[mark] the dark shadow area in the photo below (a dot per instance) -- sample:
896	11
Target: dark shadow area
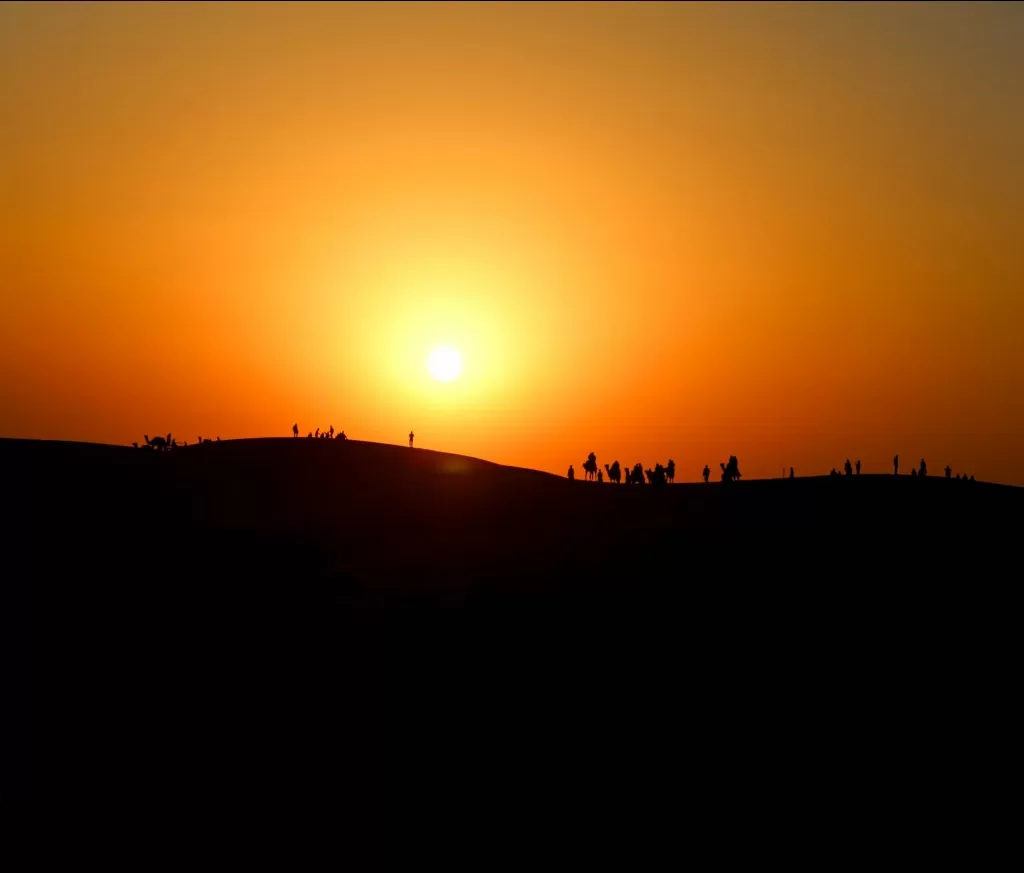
285	612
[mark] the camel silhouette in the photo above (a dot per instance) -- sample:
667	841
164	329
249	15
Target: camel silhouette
636	475
657	476
590	466
731	471
614	472
159	443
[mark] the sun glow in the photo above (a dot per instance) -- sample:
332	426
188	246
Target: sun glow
444	364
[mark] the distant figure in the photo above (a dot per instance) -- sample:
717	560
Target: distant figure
858	466
614	473
572	472
218	439
834	472
341	436
895	465
848	467
331	432
670	471
309	435
913	472
949	472
924	468
600	476
136	445
972	477
590	466
295	430
790	472
706	473
316	434
411	435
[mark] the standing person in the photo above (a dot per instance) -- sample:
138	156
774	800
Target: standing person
411	435
790	472
572	473
706	472
295	431
858	466
895	465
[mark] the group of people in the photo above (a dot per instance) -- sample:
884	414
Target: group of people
731	472
318	434
329	434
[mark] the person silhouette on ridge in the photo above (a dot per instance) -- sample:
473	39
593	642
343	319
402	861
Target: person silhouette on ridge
858	466
895	465
572	473
411	435
706	472
790	472
848	467
924	468
295	429
949	472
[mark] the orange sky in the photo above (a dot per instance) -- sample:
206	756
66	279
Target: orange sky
787	232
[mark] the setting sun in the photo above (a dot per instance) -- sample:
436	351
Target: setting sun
445	364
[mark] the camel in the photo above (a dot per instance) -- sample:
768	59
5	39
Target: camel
590	466
158	442
636	475
731	471
614	473
656	476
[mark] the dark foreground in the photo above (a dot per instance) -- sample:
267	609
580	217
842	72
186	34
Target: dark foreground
308	614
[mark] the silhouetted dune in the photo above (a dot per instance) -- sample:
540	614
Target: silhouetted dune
309	575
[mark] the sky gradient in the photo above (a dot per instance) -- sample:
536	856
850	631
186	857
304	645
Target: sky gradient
794	233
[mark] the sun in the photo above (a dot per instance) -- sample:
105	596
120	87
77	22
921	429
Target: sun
444	364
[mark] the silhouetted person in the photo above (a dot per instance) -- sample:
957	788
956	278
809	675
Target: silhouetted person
790	472
670	471
972	477
341	436
949	471
411	435
858	466
913	472
295	429
600	476
706	473
924	468
895	465
572	473
848	467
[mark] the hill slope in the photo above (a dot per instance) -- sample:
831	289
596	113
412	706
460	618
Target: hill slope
277	588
